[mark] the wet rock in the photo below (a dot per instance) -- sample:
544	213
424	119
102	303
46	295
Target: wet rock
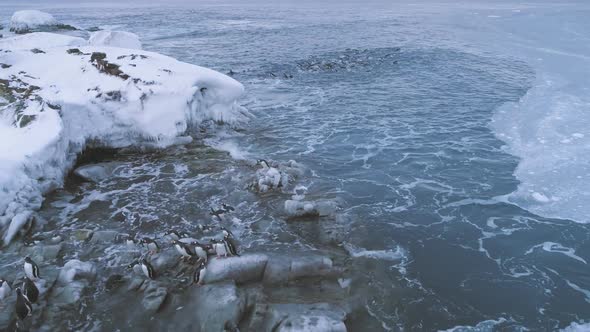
42	253
81	234
320	317
104	237
75	270
283	268
7	312
114	281
242	269
135	283
154	297
320	208
19	224
164	259
211	308
97	172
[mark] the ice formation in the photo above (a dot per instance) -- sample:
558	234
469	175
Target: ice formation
116	39
65	96
25	21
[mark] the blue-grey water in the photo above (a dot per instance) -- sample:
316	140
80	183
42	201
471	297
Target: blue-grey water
397	111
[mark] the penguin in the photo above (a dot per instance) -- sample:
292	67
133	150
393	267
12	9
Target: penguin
219	248
151	244
217	213
230	246
31	269
148	269
263	162
175	235
226	233
30	290
227	208
183	249
199	274
204	228
200	251
5	289
23	306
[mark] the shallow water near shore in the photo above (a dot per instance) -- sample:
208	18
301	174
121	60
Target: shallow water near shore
403	115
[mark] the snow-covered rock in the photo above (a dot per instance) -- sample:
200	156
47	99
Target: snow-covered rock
240	269
286	268
25	21
319	208
75	270
115	39
57	101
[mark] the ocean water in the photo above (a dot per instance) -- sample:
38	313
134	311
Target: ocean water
453	137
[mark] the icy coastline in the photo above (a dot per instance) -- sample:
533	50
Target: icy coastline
60	96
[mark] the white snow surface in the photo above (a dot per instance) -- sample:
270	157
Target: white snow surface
115	39
70	105
25	20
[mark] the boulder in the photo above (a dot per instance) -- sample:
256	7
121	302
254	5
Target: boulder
210	308
241	269
104	237
43	253
154	296
319	208
285	268
319	317
76	270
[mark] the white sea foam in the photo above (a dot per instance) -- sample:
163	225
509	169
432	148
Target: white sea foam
386	254
577	327
557	248
485	326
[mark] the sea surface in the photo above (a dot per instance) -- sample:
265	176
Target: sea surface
454	137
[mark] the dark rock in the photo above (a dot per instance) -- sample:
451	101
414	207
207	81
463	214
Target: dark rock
154	297
37	51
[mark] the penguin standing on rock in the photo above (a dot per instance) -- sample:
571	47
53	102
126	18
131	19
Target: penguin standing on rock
31	269
148	269
263	163
5	289
152	245
200	251
183	249
219	248
23	306
199	274
230	246
30	290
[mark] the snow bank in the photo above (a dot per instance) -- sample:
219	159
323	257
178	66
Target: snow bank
115	39
56	101
25	21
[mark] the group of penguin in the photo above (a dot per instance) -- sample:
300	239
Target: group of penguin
29	293
187	247
190	249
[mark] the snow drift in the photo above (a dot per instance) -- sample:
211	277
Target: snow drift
115	39
57	99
